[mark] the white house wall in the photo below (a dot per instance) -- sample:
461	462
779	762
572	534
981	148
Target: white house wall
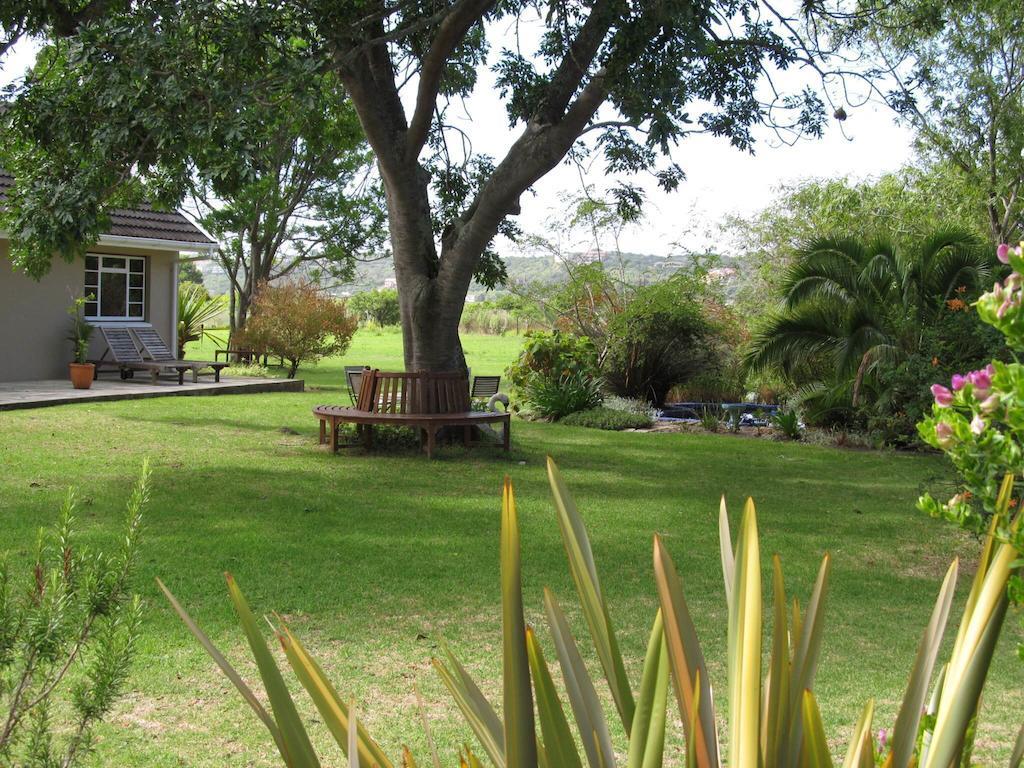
33	319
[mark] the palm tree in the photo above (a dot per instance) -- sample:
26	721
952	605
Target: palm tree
851	307
196	308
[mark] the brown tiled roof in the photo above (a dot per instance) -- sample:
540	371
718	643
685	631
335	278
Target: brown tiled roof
143	221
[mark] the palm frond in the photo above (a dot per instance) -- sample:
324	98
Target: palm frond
792	338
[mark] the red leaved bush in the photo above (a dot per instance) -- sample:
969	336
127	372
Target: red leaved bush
299	322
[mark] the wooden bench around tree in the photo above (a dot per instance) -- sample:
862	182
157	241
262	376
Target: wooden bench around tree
420	400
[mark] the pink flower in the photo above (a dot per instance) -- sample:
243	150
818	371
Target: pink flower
943	397
943	435
977	425
882	739
982	382
1003	253
958	381
990	369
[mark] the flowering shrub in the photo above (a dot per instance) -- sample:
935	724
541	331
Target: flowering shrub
978	420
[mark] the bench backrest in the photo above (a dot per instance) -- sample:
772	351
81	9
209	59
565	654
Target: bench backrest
154	345
485	386
122	345
413	392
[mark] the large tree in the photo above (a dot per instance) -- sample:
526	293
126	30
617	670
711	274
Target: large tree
307	205
955	73
624	79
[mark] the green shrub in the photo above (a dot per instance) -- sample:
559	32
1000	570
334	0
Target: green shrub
788	423
555	398
773	713
552	355
67	640
956	341
711	419
608	418
633	405
196	311
668	334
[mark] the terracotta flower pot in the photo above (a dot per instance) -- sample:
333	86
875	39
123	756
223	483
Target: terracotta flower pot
81	374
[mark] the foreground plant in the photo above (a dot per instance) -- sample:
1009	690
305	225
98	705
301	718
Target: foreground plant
67	640
774	715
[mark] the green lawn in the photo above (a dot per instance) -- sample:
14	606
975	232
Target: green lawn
382	348
374	558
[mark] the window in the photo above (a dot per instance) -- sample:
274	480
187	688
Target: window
118	287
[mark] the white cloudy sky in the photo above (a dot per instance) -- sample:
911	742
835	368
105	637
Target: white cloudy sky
720	179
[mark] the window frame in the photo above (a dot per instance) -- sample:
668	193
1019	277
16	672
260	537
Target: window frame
126	270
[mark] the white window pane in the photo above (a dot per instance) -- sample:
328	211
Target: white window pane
91	309
114	262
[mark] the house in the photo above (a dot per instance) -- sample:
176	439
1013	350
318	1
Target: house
132	273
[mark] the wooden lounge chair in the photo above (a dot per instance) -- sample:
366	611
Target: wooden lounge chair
153	345
485	387
127	359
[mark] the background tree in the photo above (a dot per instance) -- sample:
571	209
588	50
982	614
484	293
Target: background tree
378	306
189	272
957	77
904	207
626	80
307	203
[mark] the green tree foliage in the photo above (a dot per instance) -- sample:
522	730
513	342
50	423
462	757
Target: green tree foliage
854	310
67	639
298	322
379	306
147	92
904	207
957	79
305	203
189	272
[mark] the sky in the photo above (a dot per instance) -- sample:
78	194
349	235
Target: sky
721	180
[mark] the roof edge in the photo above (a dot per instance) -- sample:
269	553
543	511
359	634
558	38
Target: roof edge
154	243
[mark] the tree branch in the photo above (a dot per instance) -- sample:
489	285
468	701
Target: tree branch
452	31
574	65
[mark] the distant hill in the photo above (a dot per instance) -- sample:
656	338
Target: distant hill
635	268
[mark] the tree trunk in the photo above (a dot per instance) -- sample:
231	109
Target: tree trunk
428	297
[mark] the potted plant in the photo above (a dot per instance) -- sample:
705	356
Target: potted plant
82	372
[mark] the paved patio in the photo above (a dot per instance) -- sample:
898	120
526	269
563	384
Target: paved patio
39	394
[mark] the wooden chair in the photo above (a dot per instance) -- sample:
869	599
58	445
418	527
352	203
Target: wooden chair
246	355
154	346
485	387
354	380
